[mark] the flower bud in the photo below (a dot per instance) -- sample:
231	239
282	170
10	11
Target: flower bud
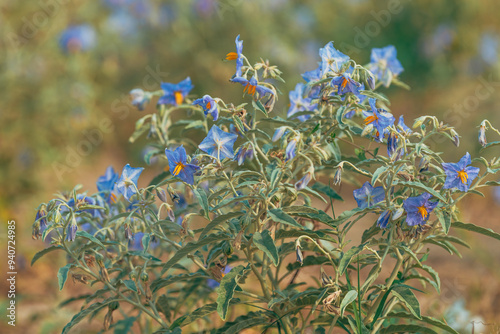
398	213
71	230
162	195
482	135
337	177
139	98
367	130
370	80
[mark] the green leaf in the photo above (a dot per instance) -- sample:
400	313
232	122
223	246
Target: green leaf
406	329
311	213
405	295
275	178
191	247
428	320
248	320
130	284
347	257
226	290
282	234
374	95
420	186
90	237
493	143
219	220
83	313
124	326
199	313
478	229
327	190
377	174
445	220
162	282
62	275
349	298
258	105
265	243
43	252
203	200
280	216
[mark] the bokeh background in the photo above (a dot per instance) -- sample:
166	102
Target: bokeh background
66	67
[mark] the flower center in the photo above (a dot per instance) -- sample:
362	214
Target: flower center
463	176
231	56
344	83
423	211
249	88
178	168
371	119
209	105
178	97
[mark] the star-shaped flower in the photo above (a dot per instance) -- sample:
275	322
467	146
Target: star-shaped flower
384	64
379	118
175	93
346	84
178	165
418	209
218	143
209	106
237	56
300	103
367	195
252	86
127	184
459	175
332	59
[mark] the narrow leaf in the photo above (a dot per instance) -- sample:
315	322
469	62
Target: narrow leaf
226	290
265	243
349	298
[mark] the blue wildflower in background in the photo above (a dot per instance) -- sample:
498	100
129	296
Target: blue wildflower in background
179	166
346	84
78	38
127	183
175	94
135	243
139	98
209	106
82	200
252	86
212	284
300	103
404	128
332	59
384	64
278	133
383	220
290	148
367	195
42	220
218	143
237	56
379	118
418	209
107	181
459	175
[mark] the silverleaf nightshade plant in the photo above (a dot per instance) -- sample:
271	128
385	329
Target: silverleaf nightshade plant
249	189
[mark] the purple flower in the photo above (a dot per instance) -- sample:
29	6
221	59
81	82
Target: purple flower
404	129
178	165
346	84
78	38
127	184
252	86
332	59
367	195
218	143
384	64
139	98
383	220
107	181
300	103
136	242
279	132
71	230
209	106
245	152
290	148
237	56
459	175
418	209
304	181
379	118
175	94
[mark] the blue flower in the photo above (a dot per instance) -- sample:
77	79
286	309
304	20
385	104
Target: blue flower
252	86
290	148
312	76
212	284
218	143
405	129
139	98
346	84
82	200
300	103
279	132
332	59
127	184
367	195
78	38
379	118
136	242
392	144
245	152
237	56
459	175
384	65
418	209
42	220
71	230
175	93
209	106
179	166
107	181
304	181
383	220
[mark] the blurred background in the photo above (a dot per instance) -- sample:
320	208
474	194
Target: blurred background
66	67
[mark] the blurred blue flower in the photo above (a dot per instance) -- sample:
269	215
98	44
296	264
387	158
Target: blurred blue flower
252	86
278	133
245	152
300	103
384	64
489	47
379	118
346	84
367	195
123	23
107	181
304	181
459	175
139	98
175	93
383	220
78	38
209	106
136	242
41	214
212	284
404	129
218	143
418	209
179	166
332	59
127	183
71	230
290	148
497	194
440	40
237	56
82	199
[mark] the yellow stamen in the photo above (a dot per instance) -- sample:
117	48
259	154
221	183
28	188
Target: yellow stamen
463	176
180	166
209	105
344	83
423	211
370	119
113	198
178	97
231	56
249	89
